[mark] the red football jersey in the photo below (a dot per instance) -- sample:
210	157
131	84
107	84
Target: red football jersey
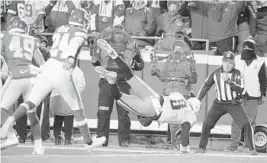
62	38
18	50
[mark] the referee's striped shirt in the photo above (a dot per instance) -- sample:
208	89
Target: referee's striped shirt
224	91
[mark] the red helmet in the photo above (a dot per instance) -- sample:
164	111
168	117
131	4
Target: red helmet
17	25
79	17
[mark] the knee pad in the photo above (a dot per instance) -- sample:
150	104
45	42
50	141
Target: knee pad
33	118
29	106
79	117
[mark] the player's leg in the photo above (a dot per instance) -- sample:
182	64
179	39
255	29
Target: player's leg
35	123
187	121
142	107
9	95
240	117
11	91
132	103
185	134
137	85
71	95
40	90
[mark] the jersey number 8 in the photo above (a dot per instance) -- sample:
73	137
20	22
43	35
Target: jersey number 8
22	48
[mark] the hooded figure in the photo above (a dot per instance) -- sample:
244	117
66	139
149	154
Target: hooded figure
248	51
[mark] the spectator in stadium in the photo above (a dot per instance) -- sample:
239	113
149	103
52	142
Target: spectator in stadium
61	111
172	21
61	10
261	29
226	78
140	21
157	7
181	67
199	25
32	12
106	14
222	27
253	70
246	23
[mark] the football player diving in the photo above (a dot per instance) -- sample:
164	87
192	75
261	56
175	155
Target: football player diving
174	108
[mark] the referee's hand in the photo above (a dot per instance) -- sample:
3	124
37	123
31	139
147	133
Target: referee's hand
225	77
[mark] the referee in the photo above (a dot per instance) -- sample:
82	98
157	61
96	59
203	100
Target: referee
229	87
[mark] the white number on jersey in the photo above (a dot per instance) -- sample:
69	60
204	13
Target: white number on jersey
24	10
24	49
60	43
178	104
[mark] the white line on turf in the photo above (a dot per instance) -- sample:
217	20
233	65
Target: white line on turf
105	149
138	152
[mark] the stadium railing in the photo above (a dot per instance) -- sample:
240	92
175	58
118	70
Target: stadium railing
206	41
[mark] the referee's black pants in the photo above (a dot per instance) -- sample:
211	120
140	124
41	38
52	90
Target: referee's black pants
218	109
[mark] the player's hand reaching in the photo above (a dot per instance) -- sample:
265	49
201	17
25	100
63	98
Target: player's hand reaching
69	64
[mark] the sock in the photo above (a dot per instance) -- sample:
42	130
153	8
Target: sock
38	143
35	126
4	116
82	125
185	134
85	134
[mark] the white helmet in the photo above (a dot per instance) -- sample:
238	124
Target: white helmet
195	104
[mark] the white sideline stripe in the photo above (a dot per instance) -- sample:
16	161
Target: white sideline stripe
146	153
104	149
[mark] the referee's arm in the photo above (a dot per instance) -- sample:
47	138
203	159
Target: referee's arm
237	84
207	85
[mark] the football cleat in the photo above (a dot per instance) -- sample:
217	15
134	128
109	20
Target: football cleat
38	151
200	150
97	142
109	75
11	141
184	149
104	45
253	152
